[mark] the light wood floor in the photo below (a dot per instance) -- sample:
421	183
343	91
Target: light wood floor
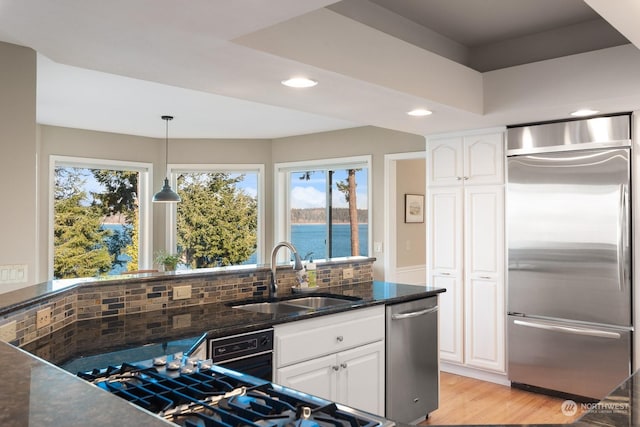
469	401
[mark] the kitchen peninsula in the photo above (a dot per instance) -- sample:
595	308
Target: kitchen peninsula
101	323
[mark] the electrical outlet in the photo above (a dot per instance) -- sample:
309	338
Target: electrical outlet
43	318
182	292
181	321
347	273
15	273
8	331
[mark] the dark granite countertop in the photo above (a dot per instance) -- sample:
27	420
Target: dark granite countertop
141	333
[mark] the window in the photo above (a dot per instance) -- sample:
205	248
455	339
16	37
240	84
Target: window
324	207
218	222
99	217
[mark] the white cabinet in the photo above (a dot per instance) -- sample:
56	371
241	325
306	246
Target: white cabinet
465	252
316	376
484	293
354	377
445	265
471	159
338	357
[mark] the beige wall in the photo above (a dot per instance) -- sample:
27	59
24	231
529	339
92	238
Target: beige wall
354	142
24	169
110	146
235	151
410	238
18	161
343	143
94	145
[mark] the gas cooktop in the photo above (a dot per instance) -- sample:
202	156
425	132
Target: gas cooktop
199	394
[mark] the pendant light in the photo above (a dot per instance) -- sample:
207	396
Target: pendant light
166	195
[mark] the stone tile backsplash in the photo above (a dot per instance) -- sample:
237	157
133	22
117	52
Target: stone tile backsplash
127	296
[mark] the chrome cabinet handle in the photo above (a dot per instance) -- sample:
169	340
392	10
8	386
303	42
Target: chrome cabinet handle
466	178
446	274
458	178
335	367
343	365
340	338
485	277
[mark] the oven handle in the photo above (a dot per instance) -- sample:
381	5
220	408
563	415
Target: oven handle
248	356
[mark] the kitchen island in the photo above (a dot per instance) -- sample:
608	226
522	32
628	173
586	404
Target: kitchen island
31	378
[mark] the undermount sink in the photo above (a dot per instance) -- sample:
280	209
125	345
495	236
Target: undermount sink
270	307
296	305
318	302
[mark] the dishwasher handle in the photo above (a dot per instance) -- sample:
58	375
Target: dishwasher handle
401	316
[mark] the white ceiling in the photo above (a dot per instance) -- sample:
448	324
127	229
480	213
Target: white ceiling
216	64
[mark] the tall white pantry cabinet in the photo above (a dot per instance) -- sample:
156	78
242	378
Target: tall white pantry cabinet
466	248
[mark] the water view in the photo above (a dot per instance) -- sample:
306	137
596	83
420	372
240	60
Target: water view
309	240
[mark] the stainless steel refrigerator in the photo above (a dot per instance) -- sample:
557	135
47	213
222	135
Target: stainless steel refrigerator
569	255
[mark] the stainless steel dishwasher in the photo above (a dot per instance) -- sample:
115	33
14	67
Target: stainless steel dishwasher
412	374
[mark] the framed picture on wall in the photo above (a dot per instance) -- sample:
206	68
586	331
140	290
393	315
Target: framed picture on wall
413	208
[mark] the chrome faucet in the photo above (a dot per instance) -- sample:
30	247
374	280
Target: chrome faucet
297	266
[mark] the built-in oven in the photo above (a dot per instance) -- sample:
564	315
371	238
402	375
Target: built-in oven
249	353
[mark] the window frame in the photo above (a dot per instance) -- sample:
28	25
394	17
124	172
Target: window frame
145	220
174	169
282	190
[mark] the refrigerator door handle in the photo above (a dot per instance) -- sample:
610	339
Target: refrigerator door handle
622	230
568	329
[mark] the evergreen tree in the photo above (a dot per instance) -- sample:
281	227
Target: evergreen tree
120	197
217	221
349	191
79	240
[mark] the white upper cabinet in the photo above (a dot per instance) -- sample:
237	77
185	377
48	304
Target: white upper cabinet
468	160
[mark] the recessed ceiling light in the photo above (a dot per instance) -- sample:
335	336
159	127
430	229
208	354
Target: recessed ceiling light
299	82
420	112
584	112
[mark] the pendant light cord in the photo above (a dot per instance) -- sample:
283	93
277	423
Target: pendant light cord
166	139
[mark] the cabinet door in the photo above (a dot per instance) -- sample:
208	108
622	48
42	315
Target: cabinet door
361	382
445	266
484	159
485	343
483	230
445	217
484	278
450	322
445	161
317	377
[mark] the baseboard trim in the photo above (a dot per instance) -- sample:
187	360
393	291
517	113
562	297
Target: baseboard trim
478	374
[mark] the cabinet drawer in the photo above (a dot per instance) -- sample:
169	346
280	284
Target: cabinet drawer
308	339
